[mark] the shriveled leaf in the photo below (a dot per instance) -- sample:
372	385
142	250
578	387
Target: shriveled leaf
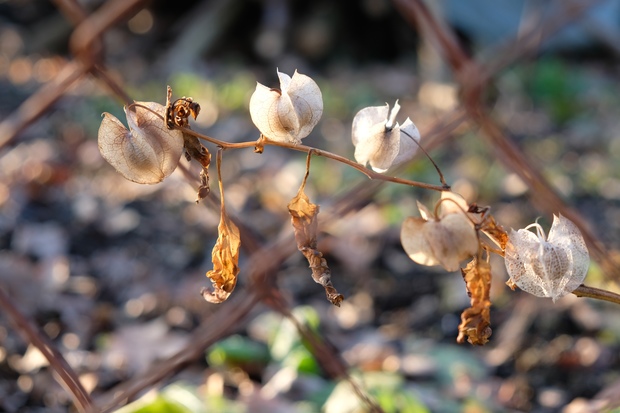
495	231
225	257
290	113
305	224
195	150
476	320
178	112
147	152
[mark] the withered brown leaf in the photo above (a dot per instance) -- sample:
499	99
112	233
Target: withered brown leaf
225	255
195	150
495	231
177	114
305	224
476	320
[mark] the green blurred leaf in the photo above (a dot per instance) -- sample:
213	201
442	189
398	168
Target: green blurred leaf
556	86
237	350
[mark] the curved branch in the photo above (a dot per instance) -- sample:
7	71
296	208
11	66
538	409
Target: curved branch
597	293
319	152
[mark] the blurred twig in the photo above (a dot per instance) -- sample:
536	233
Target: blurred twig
40	102
64	373
86	44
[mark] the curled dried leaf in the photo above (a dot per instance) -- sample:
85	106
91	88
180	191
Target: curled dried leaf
177	113
476	320
290	113
147	152
225	255
195	150
547	267
305	224
445	239
380	141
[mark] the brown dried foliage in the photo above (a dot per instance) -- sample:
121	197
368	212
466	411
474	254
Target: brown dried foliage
476	320
305	223
225	255
177	114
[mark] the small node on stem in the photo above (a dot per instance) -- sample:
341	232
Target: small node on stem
259	147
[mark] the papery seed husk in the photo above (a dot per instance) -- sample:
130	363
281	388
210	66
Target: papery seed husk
379	149
552	267
147	152
409	135
415	243
365	119
307	102
264	110
453	240
289	114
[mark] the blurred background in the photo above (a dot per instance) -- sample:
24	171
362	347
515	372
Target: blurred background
110	271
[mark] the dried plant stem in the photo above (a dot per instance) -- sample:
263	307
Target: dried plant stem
319	152
597	293
64	373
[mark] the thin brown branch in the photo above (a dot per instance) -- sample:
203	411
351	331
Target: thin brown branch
319	152
38	103
64	373
87	34
597	293
78	16
443	40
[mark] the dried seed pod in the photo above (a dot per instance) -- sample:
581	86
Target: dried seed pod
551	266
147	152
446	239
290	113
380	141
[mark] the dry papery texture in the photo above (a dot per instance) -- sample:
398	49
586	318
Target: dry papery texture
287	114
380	141
445	239
146	153
551	266
304	218
225	255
